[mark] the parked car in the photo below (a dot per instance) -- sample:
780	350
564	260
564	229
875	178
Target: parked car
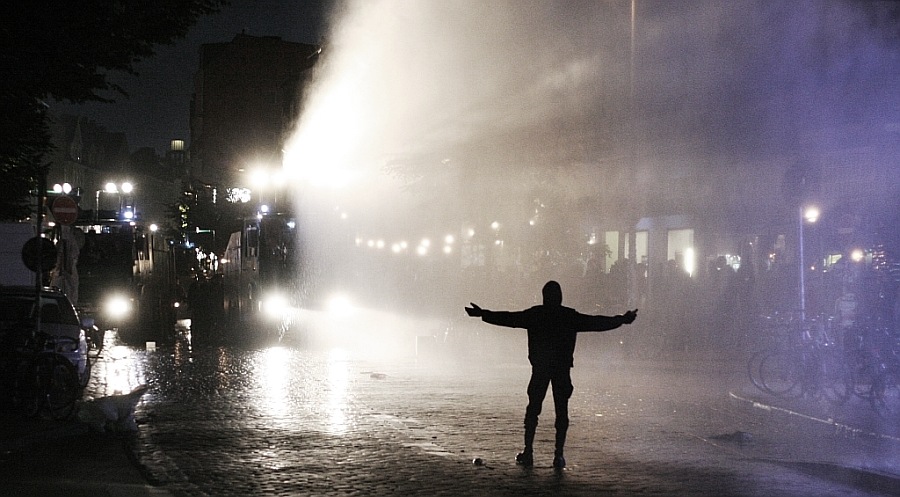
58	319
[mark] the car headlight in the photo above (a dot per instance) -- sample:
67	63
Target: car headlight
275	306
118	307
340	305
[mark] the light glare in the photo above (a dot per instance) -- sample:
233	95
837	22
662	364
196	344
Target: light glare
118	307
811	214
340	305
275	306
689	262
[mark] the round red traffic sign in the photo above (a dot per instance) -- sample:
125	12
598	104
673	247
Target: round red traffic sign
64	210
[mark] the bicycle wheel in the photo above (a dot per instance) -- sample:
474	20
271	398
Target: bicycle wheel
778	373
26	391
885	396
837	385
753	369
85	378
863	371
60	385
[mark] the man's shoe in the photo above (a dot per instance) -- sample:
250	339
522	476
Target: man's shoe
525	459
559	462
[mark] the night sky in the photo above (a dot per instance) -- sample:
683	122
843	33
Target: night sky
751	74
158	107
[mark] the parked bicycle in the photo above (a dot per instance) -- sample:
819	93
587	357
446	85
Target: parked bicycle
38	379
810	364
94	335
885	398
882	374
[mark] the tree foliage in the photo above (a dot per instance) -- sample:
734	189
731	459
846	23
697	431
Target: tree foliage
66	50
24	138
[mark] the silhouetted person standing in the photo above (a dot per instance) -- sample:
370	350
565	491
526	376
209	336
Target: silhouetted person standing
552	330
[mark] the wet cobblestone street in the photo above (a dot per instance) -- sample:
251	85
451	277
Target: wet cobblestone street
292	421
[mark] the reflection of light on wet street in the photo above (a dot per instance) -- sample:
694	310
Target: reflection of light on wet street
291	385
119	352
336	406
273	371
121	372
223	378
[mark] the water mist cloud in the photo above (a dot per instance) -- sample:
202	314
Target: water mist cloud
478	102
428	79
548	83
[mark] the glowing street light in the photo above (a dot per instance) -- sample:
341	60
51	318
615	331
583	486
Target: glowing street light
811	214
808	214
266	182
62	188
259	178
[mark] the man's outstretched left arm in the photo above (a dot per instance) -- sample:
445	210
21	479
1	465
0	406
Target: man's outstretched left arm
603	323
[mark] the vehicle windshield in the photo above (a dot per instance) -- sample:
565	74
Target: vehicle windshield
20	308
105	262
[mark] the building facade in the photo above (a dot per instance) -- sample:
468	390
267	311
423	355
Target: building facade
243	92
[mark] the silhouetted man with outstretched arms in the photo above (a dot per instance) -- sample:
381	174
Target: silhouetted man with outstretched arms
552	329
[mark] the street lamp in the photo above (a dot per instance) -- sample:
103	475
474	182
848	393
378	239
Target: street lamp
266	180
811	214
808	214
65	188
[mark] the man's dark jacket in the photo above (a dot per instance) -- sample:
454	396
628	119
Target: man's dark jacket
552	330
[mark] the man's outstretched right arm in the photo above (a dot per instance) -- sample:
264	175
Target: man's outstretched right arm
500	318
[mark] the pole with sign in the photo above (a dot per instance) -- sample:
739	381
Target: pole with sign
64	210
